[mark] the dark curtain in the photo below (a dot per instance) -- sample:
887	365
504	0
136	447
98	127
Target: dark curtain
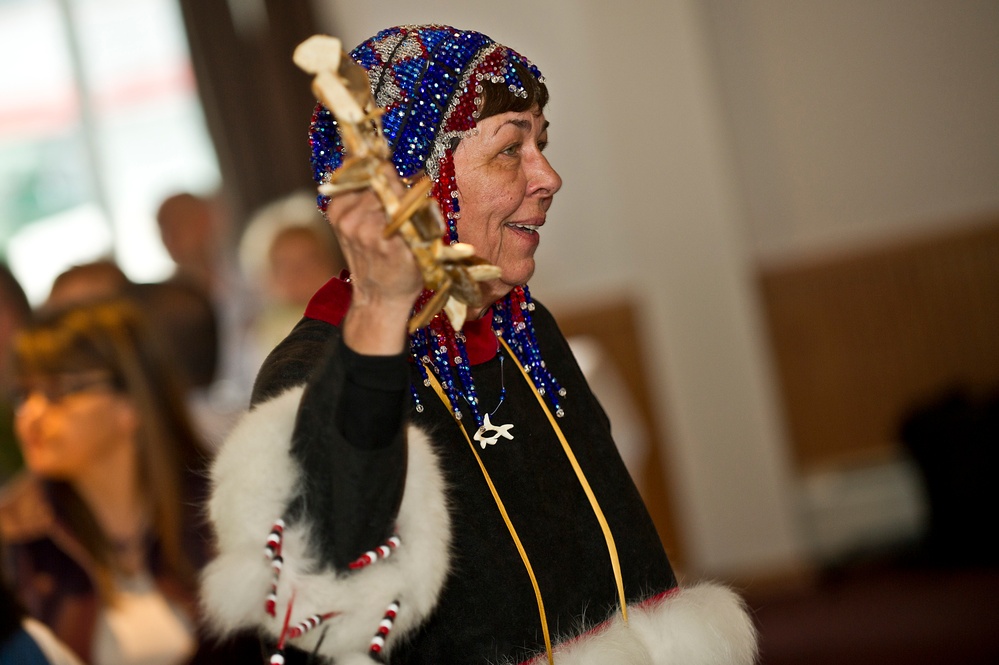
257	102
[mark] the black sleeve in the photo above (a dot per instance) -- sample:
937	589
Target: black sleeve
349	438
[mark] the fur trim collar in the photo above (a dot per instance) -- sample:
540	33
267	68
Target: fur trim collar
705	624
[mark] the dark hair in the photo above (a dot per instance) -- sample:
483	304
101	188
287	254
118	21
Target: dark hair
188	325
15	313
497	98
96	280
113	336
12	294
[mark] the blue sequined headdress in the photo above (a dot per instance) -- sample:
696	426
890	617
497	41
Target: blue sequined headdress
429	81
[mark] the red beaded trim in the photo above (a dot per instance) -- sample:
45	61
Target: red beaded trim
272	551
599	628
277	658
382	552
310	623
384	627
273	546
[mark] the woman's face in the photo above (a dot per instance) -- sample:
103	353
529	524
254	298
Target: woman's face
69	424
299	264
505	187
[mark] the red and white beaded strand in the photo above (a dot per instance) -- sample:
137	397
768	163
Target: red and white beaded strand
384	628
312	622
381	552
272	551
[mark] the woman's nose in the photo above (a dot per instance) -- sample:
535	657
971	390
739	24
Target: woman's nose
546	178
30	406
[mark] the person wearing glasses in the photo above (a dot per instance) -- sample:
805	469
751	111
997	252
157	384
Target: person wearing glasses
102	539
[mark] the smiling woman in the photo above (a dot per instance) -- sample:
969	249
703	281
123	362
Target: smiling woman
449	495
505	187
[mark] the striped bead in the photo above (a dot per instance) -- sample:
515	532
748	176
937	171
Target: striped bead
384	627
273	546
309	624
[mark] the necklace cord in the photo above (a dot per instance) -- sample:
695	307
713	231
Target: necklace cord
594	504
506	518
502	387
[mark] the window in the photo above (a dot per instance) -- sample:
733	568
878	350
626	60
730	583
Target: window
99	122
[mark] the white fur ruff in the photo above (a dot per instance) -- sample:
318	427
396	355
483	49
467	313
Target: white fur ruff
254	477
703	625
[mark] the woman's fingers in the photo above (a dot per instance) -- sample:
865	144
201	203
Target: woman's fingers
379	266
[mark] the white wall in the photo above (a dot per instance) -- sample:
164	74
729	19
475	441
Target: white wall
649	206
857	120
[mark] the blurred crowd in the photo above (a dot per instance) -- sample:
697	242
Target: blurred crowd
115	395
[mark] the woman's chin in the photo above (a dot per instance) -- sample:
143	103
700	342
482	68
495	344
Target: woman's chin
495	290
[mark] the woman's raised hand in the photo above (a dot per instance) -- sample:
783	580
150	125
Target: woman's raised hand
384	274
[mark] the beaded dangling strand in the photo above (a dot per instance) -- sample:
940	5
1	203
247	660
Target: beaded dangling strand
512	321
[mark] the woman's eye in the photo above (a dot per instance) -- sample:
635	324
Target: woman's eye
511	149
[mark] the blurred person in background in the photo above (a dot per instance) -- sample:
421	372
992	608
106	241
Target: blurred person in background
87	282
287	253
196	232
188	326
15	313
185	320
102	533
192	230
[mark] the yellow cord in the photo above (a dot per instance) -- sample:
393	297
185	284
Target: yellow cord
608	536
506	518
584	483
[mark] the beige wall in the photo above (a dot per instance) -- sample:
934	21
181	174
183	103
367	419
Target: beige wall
695	138
856	120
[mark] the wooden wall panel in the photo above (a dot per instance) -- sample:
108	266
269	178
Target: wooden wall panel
861	338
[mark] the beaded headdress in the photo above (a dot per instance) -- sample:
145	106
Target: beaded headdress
429	81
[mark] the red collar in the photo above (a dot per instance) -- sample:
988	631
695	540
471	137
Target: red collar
331	301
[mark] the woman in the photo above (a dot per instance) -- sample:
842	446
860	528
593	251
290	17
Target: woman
445	497
287	252
101	536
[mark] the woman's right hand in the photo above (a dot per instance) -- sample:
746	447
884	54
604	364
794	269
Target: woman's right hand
385	277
